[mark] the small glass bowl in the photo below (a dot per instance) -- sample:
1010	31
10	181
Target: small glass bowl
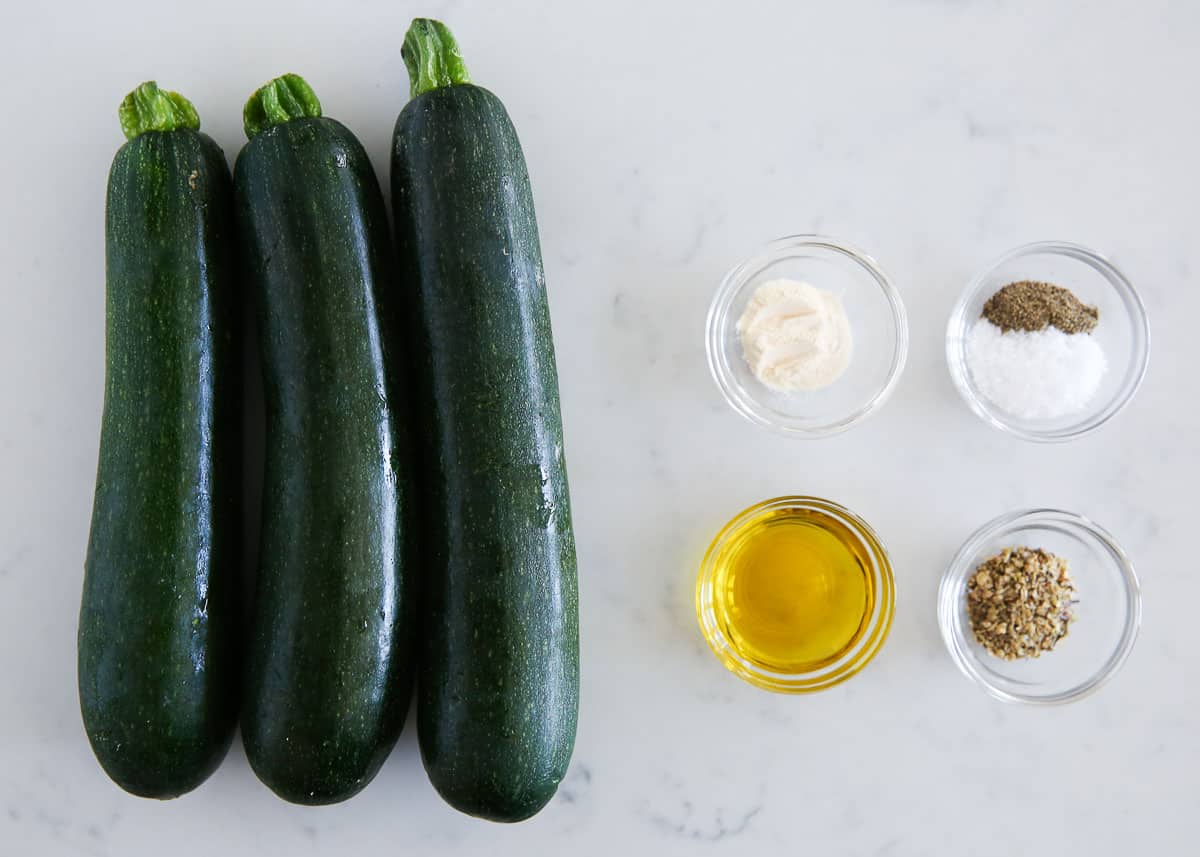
1108	611
851	661
878	326
1123	333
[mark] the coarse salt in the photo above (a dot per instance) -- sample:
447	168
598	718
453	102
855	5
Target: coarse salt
1035	375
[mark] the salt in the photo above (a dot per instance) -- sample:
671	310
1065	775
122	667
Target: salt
1035	375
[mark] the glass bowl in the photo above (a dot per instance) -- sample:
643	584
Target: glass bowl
878	324
1123	333
876	623
1107	612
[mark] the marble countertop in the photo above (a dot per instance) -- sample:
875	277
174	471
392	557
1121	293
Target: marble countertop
666	141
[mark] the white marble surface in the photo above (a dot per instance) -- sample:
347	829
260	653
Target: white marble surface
665	141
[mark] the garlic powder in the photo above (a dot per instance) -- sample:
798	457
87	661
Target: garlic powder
795	336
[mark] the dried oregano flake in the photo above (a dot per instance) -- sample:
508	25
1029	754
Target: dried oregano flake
1019	602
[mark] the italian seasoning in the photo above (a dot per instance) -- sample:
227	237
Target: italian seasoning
1033	305
1019	602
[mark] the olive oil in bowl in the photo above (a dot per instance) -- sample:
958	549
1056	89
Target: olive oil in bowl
795	594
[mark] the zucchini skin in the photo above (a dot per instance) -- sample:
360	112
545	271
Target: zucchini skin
158	674
498	686
329	670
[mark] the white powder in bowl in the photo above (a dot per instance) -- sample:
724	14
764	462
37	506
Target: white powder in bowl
1035	375
795	336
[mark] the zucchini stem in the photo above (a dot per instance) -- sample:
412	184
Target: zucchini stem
432	57
149	108
281	100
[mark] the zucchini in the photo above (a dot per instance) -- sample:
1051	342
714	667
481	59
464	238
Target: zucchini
498	683
329	664
157	670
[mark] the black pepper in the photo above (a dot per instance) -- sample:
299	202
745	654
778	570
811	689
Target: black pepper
1034	305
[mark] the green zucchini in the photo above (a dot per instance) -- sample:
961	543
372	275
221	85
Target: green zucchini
158	674
498	682
329	663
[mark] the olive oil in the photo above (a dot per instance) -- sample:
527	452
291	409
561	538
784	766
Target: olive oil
792	590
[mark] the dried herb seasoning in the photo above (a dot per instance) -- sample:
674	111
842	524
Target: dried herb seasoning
1034	305
1019	602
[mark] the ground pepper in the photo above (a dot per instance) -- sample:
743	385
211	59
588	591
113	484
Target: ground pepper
1034	305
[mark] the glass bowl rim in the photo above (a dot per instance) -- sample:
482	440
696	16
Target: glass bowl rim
956	328
718	312
954	579
879	621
